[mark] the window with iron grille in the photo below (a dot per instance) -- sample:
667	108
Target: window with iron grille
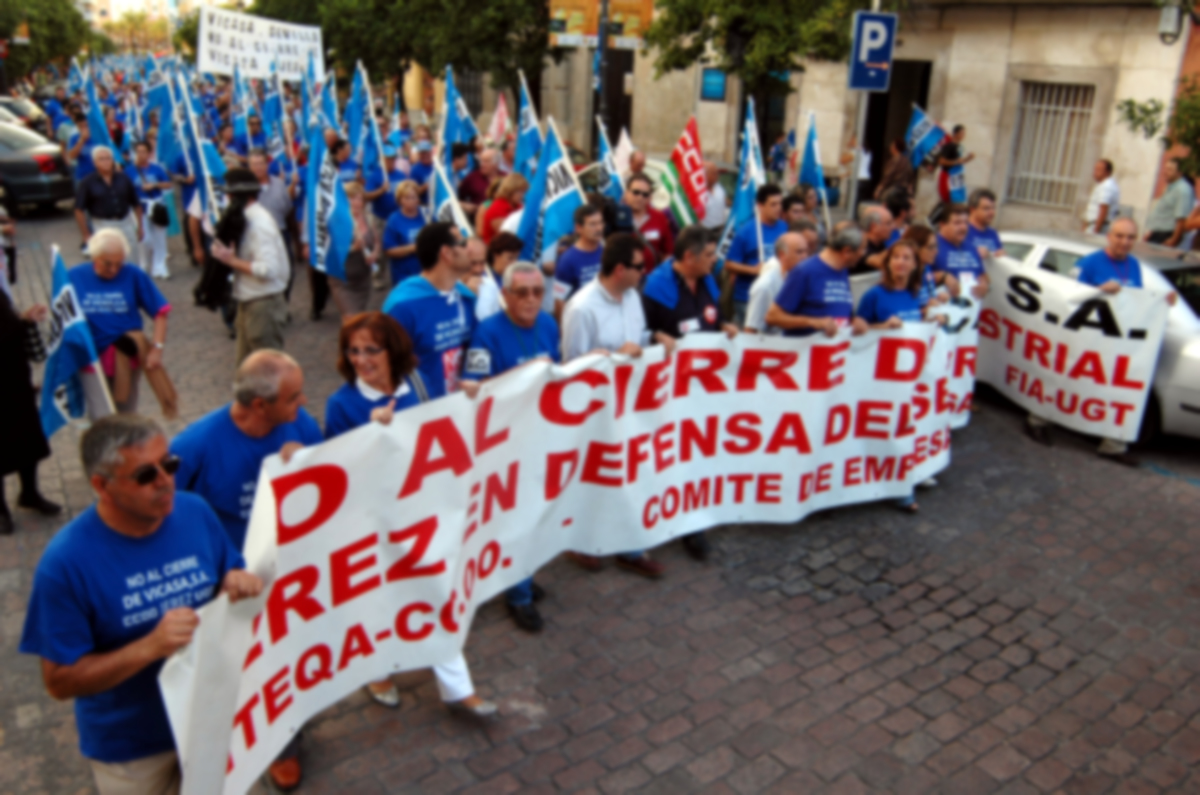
470	86
1047	165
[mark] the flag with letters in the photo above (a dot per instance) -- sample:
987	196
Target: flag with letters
750	178
556	192
443	204
327	212
69	348
923	136
684	178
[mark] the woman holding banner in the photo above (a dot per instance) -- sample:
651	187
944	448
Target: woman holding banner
376	358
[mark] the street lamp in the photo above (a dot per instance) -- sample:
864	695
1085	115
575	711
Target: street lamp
1170	21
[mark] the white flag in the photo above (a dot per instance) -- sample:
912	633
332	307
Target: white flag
498	129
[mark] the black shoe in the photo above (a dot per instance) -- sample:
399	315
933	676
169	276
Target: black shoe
1125	459
526	617
1039	433
539	593
6	524
697	546
40	504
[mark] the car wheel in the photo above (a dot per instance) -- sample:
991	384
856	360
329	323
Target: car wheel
1151	421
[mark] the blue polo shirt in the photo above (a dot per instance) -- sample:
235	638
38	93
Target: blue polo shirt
880	304
957	260
83	163
813	289
96	590
439	325
983	238
1098	267
574	269
152	173
351	406
499	345
744	250
113	306
401	230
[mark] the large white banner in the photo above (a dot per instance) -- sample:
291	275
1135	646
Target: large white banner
229	38
1069	353
380	545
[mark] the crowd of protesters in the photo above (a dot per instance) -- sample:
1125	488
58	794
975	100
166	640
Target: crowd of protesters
457	311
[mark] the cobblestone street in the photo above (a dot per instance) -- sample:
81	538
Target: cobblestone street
1035	629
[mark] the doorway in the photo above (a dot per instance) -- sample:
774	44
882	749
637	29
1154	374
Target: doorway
888	113
618	64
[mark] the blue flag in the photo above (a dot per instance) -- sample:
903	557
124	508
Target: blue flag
811	172
443	204
243	106
327	212
750	178
75	80
168	146
203	160
923	136
529	136
273	118
356	113
97	126
307	84
329	106
457	125
610	179
550	203
958	184
70	348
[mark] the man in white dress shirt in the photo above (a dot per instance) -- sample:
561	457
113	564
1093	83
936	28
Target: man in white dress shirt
1106	197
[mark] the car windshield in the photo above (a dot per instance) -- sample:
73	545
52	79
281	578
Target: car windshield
1186	282
14	138
23	106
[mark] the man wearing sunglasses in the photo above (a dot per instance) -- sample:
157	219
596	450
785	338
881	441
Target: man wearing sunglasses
606	316
116	593
521	333
648	222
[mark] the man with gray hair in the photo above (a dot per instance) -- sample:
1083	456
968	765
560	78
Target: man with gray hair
816	295
790	250
877	224
223	451
107	198
509	339
116	593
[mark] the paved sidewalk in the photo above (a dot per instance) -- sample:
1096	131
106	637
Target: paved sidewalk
1034	630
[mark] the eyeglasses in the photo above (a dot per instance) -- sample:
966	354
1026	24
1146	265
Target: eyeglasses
637	266
526	292
370	350
645	194
148	473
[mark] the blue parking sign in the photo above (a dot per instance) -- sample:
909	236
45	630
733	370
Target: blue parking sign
871	55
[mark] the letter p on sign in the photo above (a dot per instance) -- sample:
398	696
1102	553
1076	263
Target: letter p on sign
874	41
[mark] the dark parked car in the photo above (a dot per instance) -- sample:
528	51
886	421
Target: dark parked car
32	169
27	111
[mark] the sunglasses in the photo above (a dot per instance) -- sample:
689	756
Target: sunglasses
370	350
148	473
526	292
645	194
637	267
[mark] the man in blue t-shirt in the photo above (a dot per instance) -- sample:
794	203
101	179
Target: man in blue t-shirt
955	258
423	168
116	593
79	148
579	264
816	293
981	212
752	245
508	339
436	310
1110	269
222	452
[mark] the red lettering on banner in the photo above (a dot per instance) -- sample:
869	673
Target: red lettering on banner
621	377
446	614
825	362
649	519
767	490
695	494
851	475
1090	365
879	469
331	483
550	404
342	568
421	534
663	444
816	482
500	492
1037	346
653	393
279	601
920	401
1121	376
483	440
452	449
355	644
904	425
887	362
789	432
739	485
944	399
670	502
870	414
244	718
989	324
556	482
276	698
307	677
743	426
837	427
1092	409
636	455
772	364
1122	409
599	457
964	360
403	626
691	367
1013	330
691	438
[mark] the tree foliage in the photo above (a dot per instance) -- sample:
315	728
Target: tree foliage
753	39
187	35
1183	128
56	31
135	31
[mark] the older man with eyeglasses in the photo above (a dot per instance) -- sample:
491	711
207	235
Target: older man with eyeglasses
116	593
648	222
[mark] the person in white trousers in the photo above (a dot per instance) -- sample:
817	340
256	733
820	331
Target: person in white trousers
150	179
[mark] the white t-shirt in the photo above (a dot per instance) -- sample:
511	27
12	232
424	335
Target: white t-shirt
489	301
594	319
766	286
1105	192
716	210
262	245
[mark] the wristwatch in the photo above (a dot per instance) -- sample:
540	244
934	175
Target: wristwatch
160	345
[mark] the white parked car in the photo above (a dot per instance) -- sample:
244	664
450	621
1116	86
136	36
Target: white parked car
1175	404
